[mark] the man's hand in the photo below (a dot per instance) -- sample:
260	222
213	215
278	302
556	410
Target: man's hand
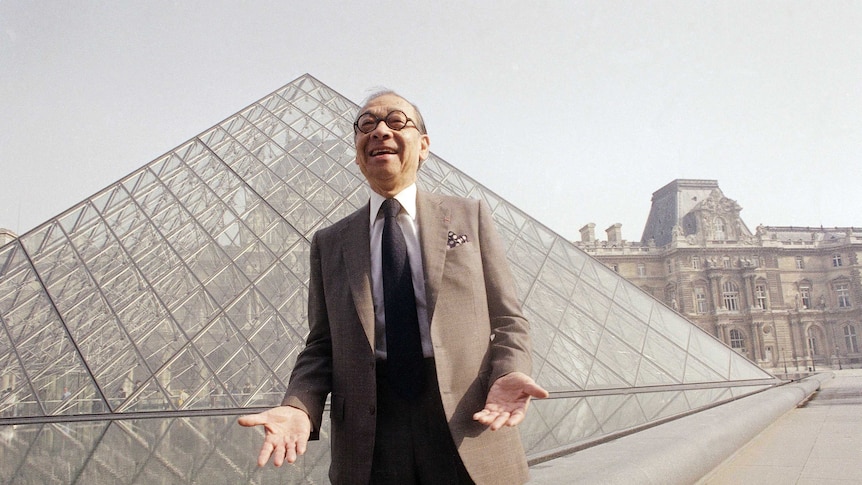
287	430
508	400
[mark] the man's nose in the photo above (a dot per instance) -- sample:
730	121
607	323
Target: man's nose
381	130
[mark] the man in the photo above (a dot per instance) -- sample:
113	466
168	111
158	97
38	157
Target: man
455	422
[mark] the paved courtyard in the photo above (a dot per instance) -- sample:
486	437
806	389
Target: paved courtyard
819	442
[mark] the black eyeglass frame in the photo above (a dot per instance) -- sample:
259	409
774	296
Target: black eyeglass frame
386	120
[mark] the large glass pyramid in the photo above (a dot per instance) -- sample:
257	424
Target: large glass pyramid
135	324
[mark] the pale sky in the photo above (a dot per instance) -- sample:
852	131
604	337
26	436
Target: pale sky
574	111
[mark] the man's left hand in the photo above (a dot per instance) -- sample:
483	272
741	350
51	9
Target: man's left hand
508	400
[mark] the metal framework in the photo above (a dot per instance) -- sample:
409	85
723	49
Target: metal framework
134	322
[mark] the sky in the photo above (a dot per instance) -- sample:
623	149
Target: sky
574	111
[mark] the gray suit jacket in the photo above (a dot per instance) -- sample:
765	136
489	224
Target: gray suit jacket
477	330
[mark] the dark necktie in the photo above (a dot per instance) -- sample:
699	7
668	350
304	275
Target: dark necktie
404	365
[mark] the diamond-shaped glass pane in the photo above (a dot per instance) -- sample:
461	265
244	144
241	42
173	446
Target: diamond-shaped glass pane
182	289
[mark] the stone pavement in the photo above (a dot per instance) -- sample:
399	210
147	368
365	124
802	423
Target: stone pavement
807	431
819	442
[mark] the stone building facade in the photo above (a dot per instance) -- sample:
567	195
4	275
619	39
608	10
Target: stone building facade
788	298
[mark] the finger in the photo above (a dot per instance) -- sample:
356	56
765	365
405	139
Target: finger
485	417
251	420
486	420
278	455
265	452
515	418
537	391
290	453
301	445
499	421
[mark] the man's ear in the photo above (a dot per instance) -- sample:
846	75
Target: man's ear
424	148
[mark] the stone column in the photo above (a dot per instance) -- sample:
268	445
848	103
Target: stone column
756	341
715	291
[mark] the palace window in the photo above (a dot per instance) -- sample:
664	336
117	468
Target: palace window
641	269
760	296
669	266
695	262
850	339
700	300
737	341
805	295
731	296
842	291
720	229
726	262
812	342
800	263
836	260
670	297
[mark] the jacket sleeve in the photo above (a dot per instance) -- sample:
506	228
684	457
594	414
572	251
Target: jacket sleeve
311	379
510	347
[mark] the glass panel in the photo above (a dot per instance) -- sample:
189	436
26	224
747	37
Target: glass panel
667	357
183	287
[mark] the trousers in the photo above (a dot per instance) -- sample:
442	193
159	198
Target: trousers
412	442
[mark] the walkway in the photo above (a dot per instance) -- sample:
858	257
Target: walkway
819	442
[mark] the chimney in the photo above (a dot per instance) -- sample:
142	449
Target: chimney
588	233
615	233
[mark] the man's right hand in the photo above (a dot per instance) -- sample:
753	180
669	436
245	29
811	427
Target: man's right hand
287	431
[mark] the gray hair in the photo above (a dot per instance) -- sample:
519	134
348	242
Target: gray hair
420	122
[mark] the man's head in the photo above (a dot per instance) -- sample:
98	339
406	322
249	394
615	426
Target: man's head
391	142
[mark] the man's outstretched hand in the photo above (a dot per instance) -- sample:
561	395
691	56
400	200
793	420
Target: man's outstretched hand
287	430
508	400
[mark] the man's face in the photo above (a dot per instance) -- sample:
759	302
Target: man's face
388	158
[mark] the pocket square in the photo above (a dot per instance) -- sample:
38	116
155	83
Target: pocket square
456	240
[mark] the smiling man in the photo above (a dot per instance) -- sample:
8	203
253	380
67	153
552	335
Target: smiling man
414	329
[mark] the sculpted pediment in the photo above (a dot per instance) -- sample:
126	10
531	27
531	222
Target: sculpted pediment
717	203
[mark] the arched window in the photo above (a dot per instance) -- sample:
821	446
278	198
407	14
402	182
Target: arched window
805	294
731	296
850	339
720	229
737	341
700	302
812	341
760	295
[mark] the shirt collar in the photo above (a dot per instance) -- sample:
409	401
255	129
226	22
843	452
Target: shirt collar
407	199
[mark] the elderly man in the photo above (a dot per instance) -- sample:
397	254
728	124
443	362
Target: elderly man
415	330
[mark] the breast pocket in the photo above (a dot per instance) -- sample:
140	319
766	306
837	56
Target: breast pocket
462	279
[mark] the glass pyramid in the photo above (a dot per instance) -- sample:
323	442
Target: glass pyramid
137	323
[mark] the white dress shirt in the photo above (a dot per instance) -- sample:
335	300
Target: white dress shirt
407	222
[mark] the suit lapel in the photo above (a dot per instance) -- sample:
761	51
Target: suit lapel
433	234
355	246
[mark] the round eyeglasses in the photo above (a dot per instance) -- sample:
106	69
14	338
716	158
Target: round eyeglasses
396	120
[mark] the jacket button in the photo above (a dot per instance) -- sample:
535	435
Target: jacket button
371	410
